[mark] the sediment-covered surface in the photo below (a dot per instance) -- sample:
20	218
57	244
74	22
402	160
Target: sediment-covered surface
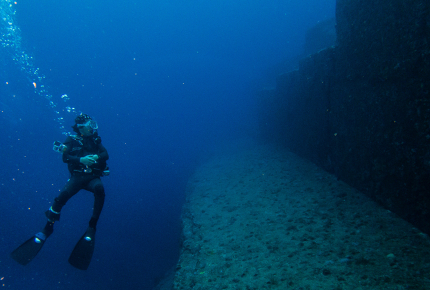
264	218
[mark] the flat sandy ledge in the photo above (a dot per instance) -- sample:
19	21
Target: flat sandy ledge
263	218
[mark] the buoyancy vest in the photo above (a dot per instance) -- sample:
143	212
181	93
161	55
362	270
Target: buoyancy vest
83	146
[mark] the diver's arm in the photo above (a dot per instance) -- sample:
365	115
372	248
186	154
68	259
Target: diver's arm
103	154
67	158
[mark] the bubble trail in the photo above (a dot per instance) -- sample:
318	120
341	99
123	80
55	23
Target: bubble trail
11	42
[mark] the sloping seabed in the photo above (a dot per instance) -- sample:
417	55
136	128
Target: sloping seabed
266	219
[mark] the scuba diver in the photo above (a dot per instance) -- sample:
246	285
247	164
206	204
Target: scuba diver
86	159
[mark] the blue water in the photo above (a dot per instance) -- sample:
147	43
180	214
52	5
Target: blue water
167	82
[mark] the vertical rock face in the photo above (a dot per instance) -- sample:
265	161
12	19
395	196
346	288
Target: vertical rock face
362	109
383	39
320	37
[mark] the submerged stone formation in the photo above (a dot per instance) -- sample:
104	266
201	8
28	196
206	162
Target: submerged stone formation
361	109
264	218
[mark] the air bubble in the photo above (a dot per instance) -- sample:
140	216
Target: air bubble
10	39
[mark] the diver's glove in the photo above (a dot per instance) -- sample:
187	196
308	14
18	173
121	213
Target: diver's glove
89	160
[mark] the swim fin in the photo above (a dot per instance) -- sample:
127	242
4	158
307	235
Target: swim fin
83	251
28	250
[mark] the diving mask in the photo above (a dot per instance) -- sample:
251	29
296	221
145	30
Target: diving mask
89	124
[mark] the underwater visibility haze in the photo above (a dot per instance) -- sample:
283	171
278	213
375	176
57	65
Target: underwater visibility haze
168	82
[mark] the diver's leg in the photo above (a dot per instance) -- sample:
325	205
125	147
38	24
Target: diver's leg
73	185
48	229
53	213
96	187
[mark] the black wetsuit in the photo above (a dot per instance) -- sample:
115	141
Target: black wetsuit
83	177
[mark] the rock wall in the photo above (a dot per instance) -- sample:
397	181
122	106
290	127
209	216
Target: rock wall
361	109
321	36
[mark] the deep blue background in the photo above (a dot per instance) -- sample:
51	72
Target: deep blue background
168	82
